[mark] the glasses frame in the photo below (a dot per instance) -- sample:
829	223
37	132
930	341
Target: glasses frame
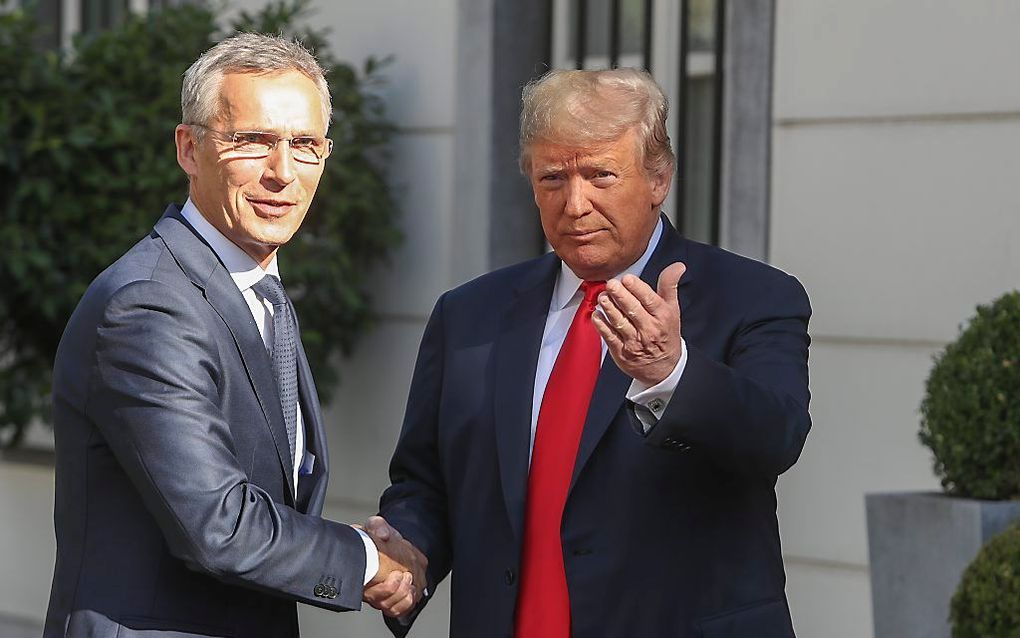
231	136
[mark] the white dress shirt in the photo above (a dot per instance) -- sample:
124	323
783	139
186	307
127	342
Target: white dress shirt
650	401
246	272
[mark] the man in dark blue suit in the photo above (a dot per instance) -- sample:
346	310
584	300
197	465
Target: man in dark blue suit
577	494
191	461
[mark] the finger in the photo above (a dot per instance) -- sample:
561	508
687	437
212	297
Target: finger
669	279
615	317
404	589
643	293
380	592
613	341
402	607
629	304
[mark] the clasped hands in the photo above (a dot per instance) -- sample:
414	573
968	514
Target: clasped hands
641	326
400	582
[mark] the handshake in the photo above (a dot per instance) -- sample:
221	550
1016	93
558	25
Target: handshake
400	582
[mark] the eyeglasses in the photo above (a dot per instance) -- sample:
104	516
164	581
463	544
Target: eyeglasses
306	149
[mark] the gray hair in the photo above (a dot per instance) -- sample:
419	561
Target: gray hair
580	108
245	53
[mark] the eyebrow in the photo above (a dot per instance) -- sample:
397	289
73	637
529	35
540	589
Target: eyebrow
275	131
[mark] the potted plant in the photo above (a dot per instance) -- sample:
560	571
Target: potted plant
987	602
920	543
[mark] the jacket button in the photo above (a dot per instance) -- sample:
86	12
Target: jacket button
508	576
319	590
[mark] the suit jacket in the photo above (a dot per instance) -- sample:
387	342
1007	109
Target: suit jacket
669	533
175	511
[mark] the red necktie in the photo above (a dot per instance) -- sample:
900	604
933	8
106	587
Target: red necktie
543	605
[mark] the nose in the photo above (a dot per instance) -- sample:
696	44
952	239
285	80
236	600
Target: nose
578	201
280	165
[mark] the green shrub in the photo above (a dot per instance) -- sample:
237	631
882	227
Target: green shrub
971	408
987	601
87	165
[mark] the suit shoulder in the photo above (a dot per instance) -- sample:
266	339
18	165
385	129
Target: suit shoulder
146	270
738	271
148	260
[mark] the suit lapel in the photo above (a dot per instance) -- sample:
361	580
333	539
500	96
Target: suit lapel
612	384
516	357
204	269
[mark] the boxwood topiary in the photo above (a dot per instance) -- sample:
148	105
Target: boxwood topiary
987	601
971	408
87	165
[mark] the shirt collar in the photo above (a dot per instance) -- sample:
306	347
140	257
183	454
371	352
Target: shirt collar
244	270
567	284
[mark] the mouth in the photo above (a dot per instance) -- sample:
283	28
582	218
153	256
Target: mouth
265	207
585	235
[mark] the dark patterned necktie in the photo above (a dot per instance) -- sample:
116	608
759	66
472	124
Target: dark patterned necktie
284	351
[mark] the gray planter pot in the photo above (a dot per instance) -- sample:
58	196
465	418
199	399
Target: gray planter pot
919	543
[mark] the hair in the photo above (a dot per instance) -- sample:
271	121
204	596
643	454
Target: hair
592	107
245	53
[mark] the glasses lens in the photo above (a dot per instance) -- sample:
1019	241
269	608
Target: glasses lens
254	143
308	149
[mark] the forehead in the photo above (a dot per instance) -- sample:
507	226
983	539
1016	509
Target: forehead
623	149
284	101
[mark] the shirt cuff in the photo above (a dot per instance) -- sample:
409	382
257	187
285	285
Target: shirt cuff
650	402
371	556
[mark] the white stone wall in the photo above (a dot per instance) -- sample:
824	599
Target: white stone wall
27	546
895	199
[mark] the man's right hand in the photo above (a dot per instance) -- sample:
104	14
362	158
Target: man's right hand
400	582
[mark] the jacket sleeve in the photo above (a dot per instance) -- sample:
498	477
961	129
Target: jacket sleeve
750	411
153	396
415	502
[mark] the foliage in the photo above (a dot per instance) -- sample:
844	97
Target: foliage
987	600
87	165
971	408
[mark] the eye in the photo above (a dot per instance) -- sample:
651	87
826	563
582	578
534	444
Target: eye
304	142
603	174
249	137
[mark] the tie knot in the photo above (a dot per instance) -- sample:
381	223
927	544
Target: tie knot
592	290
271	290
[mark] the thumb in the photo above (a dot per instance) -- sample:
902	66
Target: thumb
669	278
378	527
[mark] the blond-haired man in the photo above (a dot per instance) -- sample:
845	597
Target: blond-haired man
593	437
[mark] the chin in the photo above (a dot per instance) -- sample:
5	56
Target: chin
588	267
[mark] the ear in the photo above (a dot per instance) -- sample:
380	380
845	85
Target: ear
187	147
660	183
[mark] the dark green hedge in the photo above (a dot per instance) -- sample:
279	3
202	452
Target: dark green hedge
971	408
87	165
987	601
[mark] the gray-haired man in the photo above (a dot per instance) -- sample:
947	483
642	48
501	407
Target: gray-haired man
191	455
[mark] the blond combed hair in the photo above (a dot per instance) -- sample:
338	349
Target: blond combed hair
592	107
246	53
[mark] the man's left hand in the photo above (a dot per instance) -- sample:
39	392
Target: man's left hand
641	326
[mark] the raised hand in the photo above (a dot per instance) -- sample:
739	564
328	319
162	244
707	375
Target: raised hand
400	582
641	326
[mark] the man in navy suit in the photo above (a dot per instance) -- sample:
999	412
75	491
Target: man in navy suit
592	438
191	460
